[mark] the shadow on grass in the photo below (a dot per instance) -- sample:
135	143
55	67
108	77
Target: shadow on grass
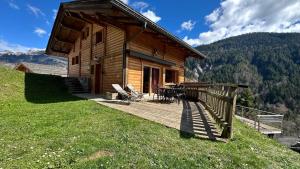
195	123
186	124
46	89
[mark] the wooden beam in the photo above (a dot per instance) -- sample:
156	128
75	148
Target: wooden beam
62	41
69	15
150	58
121	17
90	6
88	17
109	20
70	28
58	51
91	12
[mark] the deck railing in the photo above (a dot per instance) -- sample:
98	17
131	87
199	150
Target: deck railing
218	99
265	122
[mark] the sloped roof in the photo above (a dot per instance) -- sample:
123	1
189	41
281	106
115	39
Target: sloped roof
77	13
44	69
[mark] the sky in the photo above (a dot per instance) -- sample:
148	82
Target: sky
26	24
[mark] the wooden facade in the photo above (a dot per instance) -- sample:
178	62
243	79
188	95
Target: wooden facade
106	42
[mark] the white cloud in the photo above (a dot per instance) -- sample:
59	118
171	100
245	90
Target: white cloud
36	11
54	13
40	32
4	45
47	22
188	25
214	16
151	15
139	5
13	5
125	1
236	17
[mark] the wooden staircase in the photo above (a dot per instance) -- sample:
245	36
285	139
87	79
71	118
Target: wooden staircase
74	85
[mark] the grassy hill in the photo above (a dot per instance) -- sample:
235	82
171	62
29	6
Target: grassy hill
42	126
268	62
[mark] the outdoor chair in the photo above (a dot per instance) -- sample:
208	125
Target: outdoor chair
180	93
124	96
169	95
158	92
134	92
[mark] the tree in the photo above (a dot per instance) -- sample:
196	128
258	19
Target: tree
246	98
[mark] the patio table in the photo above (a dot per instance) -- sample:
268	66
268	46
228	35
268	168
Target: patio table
169	93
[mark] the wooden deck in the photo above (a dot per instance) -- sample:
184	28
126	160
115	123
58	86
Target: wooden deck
190	118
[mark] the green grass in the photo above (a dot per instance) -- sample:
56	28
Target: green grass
42	126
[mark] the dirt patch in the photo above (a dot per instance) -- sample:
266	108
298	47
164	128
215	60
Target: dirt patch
99	154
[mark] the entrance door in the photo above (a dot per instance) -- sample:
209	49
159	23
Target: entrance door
146	80
155	79
97	78
150	80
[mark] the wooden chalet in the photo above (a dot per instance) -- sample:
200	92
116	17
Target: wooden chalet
107	42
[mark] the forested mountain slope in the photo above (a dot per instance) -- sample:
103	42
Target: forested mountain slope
268	62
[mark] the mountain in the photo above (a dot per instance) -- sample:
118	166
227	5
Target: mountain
31	56
268	62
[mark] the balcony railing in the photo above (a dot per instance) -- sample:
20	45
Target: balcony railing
265	122
218	99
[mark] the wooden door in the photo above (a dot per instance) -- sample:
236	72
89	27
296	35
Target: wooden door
146	79
155	79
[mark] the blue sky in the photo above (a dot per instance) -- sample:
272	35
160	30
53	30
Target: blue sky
26	24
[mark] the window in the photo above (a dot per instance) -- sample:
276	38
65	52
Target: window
99	37
171	76
85	34
75	60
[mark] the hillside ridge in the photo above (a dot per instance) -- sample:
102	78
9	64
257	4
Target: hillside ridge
268	62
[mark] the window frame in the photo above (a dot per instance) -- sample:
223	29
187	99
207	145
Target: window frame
99	39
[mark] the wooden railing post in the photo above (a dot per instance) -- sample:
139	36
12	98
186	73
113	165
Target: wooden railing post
227	132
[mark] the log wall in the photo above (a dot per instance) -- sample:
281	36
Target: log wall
113	61
150	45
109	54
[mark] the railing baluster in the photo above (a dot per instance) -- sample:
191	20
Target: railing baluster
219	100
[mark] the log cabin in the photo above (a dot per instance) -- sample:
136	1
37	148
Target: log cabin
107	42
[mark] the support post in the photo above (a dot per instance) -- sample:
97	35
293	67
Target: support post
227	133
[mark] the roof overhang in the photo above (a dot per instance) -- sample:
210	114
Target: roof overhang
150	58
73	16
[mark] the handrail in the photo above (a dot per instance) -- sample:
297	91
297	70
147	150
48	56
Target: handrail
250	108
218	99
205	84
264	121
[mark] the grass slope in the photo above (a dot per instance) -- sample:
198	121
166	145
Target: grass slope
42	126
